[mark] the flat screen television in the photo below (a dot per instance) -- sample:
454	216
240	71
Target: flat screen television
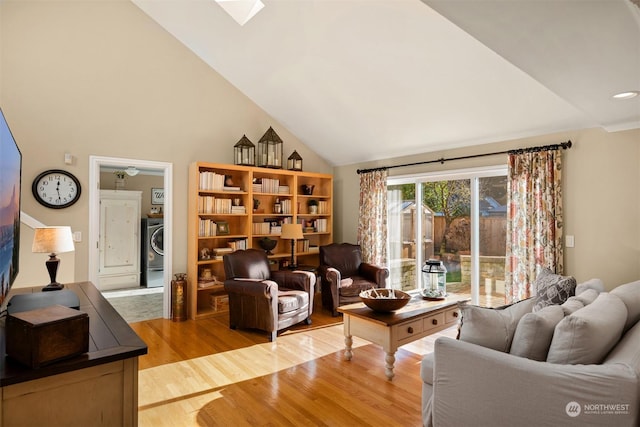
10	181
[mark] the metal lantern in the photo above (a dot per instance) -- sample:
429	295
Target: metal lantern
294	162
244	152
434	279
270	150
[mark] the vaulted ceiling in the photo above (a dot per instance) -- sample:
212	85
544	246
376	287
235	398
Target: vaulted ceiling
362	80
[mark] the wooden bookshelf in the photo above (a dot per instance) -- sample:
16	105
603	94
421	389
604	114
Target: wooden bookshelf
221	217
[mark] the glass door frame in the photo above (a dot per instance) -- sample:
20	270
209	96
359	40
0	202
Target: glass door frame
473	175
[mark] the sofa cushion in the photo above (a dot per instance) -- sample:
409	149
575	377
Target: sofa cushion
552	288
630	296
292	300
534	333
357	284
627	350
587	335
491	328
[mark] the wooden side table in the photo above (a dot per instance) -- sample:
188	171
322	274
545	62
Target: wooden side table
416	320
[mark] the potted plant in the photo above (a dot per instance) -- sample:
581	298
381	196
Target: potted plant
313	206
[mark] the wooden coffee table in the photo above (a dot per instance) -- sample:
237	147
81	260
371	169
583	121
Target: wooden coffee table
415	320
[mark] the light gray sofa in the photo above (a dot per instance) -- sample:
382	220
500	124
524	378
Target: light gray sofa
467	384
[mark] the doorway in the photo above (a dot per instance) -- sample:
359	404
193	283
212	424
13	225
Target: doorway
98	163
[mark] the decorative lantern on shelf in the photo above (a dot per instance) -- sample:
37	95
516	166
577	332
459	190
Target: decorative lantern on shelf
294	162
244	152
270	150
434	280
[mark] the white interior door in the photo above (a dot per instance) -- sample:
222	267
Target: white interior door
119	242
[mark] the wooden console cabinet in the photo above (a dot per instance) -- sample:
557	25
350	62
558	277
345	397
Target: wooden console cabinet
98	388
221	216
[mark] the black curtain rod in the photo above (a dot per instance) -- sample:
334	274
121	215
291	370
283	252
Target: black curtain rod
563	145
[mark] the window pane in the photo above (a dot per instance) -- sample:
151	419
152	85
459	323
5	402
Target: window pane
493	239
450	202
402	225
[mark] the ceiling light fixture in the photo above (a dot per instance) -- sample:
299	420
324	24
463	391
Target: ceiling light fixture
132	171
241	10
626	95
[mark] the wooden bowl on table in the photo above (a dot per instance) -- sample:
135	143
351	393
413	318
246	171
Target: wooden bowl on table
384	300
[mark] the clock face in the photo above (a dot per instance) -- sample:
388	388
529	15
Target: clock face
56	189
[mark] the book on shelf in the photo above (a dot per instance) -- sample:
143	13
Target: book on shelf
284	189
286	206
238	210
302	245
207	228
266	185
211	181
323	207
238	244
321	225
275	229
228	188
261	227
214	205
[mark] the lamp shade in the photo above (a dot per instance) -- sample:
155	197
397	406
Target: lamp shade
291	231
54	240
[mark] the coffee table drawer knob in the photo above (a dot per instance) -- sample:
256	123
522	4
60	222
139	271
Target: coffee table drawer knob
410	329
456	314
434	321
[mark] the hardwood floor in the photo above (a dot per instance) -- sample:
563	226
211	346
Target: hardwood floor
201	373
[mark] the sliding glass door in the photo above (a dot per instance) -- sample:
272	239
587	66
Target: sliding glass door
458	218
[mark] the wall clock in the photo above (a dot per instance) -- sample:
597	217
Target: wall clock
56	189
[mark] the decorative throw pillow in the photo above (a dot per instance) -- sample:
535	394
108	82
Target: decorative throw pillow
552	288
571	305
596	284
491	328
587	297
534	333
586	336
630	296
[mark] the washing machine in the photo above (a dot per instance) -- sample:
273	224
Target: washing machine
152	256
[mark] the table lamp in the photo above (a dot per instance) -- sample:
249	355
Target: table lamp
52	240
293	232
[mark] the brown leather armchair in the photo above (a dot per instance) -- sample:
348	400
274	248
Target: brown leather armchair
343	275
264	299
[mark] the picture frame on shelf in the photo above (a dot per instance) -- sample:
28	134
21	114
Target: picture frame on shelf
222	228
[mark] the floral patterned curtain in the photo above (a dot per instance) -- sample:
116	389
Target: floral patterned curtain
372	225
534	220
